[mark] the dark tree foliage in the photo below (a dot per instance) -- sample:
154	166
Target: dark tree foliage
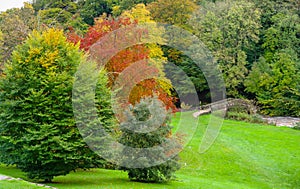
193	72
123	5
145	116
91	9
68	5
274	79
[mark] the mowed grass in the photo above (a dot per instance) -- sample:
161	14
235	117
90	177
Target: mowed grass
17	184
244	155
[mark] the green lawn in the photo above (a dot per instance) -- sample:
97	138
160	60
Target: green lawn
16	184
244	155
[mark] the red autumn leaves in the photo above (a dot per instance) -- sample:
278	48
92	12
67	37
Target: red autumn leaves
117	42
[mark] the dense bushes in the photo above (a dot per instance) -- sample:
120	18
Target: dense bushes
242	116
243	112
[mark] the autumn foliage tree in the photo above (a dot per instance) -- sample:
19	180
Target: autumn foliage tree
127	57
175	12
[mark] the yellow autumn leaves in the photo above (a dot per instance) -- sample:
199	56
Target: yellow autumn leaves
44	48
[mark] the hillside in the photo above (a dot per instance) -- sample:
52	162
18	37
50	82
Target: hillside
244	155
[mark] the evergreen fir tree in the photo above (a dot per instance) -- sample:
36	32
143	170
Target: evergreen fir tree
146	126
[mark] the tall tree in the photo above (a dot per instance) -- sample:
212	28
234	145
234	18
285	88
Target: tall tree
175	12
275	83
91	9
229	29
62	19
38	133
123	5
1	47
67	5
283	33
178	13
148	115
16	24
63	14
274	79
126	57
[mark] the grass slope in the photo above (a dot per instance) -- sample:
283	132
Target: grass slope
244	155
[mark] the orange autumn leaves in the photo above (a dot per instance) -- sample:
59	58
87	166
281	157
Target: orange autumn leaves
124	58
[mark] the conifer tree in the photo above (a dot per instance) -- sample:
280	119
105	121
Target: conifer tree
38	133
147	126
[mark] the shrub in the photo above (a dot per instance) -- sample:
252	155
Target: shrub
238	108
242	116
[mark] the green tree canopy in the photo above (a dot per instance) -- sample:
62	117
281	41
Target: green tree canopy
275	83
15	25
229	29
274	79
68	5
123	5
175	12
91	9
37	127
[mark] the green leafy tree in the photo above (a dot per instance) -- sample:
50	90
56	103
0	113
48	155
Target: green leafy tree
275	83
194	73
87	9
91	9
178	13
67	5
1	46
284	33
38	133
175	12
123	5
268	10
62	14
54	17
15	25
229	29
145	127
62	19
274	79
